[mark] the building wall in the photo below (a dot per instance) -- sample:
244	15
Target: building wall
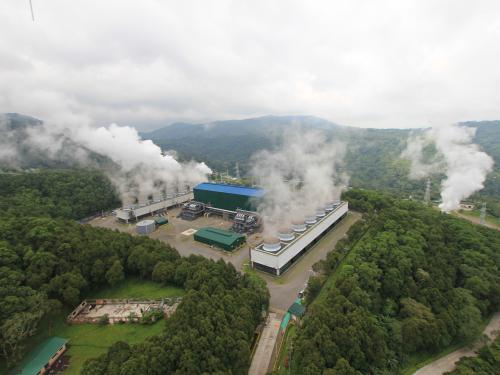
225	201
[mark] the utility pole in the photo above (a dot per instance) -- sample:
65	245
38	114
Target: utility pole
427	195
482	216
237	170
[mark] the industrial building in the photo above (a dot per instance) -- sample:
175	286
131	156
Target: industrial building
153	207
276	254
246	222
221	238
228	197
44	358
192	210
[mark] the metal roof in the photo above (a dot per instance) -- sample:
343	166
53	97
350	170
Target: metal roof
219	235
231	189
40	356
297	309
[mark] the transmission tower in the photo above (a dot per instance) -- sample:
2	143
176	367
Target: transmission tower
482	216
427	195
237	170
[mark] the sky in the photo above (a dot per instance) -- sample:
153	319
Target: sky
149	63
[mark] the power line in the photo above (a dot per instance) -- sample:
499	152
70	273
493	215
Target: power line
32	14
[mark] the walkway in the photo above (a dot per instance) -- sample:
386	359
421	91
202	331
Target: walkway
267	341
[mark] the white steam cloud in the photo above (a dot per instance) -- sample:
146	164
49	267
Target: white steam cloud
139	168
463	162
302	175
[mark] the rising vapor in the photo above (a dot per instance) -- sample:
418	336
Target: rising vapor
139	168
463	162
302	175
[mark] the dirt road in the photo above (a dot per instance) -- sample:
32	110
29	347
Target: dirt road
476	220
447	363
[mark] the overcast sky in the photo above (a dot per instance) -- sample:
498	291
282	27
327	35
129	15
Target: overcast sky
146	63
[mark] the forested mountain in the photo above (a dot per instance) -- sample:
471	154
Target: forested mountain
413	280
372	160
48	261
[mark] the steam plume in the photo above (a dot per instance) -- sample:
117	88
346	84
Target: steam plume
298	177
464	164
139	169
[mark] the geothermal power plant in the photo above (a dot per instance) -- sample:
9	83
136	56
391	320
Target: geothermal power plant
277	253
273	252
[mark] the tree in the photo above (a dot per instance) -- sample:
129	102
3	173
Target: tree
115	274
164	272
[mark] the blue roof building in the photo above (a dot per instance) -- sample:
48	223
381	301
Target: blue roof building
228	197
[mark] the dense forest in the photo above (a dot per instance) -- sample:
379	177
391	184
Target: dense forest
67	193
486	363
414	280
48	261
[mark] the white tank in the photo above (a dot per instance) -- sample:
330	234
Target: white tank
145	226
320	212
298	226
272	244
311	219
285	234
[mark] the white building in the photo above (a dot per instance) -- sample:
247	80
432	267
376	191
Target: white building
152	207
278	256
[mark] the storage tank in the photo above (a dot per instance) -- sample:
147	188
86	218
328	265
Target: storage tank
272	244
285	234
320	212
298	226
311	219
329	207
145	226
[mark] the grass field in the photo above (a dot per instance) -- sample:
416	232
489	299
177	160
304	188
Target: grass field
476	213
290	334
89	340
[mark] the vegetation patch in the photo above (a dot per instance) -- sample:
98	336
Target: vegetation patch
137	288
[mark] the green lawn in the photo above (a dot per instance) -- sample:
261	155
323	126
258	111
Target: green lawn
136	288
290	334
90	340
476	213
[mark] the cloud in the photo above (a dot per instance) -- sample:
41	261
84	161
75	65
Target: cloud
383	64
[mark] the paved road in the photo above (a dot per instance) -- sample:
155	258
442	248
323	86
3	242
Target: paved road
447	363
262	358
284	290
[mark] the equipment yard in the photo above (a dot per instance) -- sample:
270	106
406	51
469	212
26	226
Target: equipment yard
179	234
120	310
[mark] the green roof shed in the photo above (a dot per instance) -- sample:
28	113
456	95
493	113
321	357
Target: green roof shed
41	356
224	239
297	309
161	220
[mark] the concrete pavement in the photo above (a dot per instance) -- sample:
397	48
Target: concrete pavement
261	360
